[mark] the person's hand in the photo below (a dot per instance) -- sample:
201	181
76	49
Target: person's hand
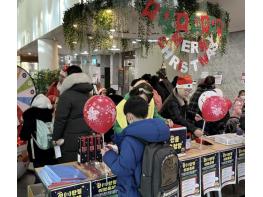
169	122
58	142
198	132
198	117
113	147
104	150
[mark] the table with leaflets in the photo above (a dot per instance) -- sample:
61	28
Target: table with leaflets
202	169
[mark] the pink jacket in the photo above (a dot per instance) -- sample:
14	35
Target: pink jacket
237	107
157	100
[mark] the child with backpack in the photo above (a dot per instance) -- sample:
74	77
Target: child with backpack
34	118
130	164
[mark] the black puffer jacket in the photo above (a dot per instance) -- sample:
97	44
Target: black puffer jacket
176	111
69	122
42	157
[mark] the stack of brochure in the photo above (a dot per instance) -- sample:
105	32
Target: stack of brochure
60	174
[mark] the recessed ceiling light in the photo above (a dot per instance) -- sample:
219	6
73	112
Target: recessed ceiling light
108	11
90	37
75	25
152	40
29	53
111	36
114	46
84	53
112	30
95	50
59	46
138	40
134	42
74	42
75	54
114	49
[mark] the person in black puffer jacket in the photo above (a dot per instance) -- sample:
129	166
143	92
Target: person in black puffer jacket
40	109
69	122
175	106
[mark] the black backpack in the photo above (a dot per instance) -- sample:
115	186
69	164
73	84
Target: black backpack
160	170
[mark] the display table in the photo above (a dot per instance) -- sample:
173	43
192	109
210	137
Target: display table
209	168
202	170
99	186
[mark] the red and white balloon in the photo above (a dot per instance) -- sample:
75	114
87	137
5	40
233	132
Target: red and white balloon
99	113
215	108
205	95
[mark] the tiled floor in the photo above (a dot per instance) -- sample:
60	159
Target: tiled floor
28	178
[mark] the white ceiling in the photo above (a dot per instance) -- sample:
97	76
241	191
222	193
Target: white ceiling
236	8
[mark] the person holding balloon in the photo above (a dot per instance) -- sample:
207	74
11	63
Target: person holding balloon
69	123
194	111
175	106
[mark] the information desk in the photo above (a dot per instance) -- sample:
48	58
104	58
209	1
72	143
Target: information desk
202	170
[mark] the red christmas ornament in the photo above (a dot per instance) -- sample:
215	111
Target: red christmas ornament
214	108
182	26
219	26
202	45
99	113
205	24
151	13
203	59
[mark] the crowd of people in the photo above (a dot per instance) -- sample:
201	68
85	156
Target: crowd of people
152	105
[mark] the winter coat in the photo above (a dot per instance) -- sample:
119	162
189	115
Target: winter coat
237	107
42	157
69	122
157	100
175	109
127	165
121	121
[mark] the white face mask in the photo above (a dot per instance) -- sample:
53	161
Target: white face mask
242	97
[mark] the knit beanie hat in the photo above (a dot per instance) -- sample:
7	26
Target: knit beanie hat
41	101
184	82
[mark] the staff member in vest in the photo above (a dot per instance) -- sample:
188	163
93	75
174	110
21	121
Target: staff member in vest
144	90
175	106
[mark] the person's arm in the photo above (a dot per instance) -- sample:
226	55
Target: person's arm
61	116
176	117
27	128
122	164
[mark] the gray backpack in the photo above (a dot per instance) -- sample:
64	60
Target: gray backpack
160	170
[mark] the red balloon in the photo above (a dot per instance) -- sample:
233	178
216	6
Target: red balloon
99	113
229	103
214	108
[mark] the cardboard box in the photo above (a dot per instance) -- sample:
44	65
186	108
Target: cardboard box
36	190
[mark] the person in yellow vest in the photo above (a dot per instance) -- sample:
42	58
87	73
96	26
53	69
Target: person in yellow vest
144	90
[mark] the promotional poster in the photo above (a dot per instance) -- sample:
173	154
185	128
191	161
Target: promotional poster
240	164
104	187
178	139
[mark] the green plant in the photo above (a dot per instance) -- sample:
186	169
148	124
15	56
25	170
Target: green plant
43	79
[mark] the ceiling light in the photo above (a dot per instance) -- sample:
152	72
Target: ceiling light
84	53
75	54
114	46
138	40
75	25
200	13
111	36
95	50
90	37
167	38
29	53
74	42
114	49
59	46
152	40
112	30
134	42
109	11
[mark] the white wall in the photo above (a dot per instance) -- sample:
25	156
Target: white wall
231	65
38	17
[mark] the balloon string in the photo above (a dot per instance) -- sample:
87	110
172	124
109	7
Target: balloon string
201	138
105	170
